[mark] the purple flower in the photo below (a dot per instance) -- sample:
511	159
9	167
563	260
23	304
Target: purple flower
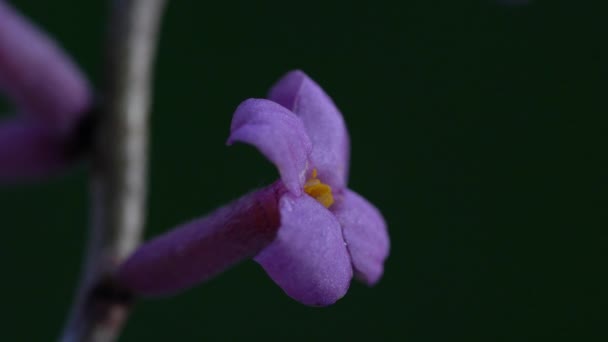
307	230
50	94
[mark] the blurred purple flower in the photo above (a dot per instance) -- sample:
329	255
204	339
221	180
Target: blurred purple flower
307	230
49	92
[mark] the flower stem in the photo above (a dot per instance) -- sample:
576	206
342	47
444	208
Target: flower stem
118	170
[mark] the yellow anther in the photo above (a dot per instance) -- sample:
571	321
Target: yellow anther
318	190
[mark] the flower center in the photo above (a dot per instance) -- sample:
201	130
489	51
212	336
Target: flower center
318	190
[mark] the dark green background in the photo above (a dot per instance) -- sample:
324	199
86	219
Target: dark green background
470	131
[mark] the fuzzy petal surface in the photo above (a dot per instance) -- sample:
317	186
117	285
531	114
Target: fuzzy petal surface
323	121
278	134
198	250
308	258
365	234
29	150
37	75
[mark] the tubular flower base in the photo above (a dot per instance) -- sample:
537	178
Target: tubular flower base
49	92
308	231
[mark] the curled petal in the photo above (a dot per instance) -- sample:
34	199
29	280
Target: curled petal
278	134
37	75
323	121
30	150
308	259
365	234
201	249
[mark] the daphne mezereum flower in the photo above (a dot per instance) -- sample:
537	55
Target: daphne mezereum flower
50	94
307	230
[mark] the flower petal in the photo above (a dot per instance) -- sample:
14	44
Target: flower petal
323	121
308	259
201	249
29	150
365	233
278	134
37	75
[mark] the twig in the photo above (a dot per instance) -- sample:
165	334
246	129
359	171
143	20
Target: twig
118	170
